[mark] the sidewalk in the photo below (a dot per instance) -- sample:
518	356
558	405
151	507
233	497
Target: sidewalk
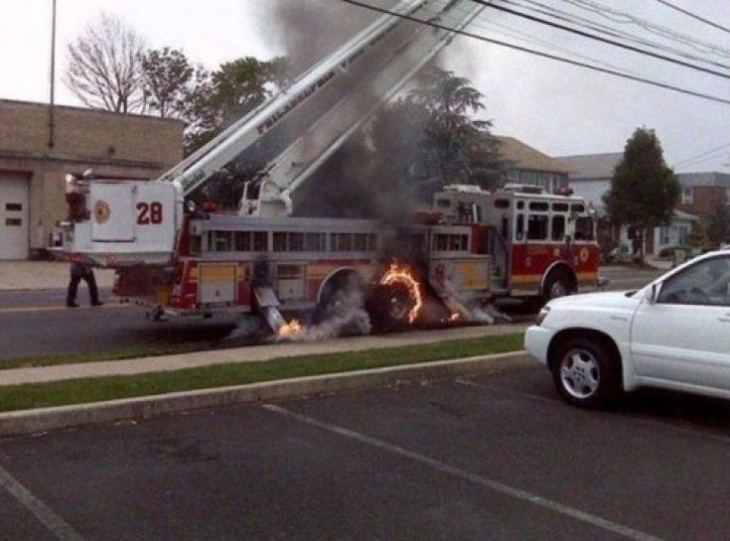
29	275
245	354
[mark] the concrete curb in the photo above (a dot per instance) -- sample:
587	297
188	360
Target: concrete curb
149	407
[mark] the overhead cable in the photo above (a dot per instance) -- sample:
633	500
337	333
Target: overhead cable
694	16
623	17
573	18
601	39
432	23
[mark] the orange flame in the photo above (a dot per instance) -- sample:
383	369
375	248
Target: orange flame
402	275
292	328
456	316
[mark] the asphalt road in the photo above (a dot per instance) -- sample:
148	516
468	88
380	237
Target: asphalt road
36	323
491	458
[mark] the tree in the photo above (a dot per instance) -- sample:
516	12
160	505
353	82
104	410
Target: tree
430	138
169	82
230	92
456	145
105	66
218	101
412	147
644	191
718	224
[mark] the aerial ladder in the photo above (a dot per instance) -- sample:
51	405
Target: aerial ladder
121	224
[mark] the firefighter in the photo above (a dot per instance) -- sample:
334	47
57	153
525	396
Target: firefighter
80	271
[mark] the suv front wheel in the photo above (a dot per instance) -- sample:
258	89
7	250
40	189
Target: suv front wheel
586	374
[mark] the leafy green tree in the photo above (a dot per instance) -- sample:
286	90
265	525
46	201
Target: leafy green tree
218	101
644	191
170	82
458	148
718	224
430	138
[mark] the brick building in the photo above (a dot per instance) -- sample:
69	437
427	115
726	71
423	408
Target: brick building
701	192
32	171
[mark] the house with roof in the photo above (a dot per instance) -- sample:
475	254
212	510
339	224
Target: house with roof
590	177
524	164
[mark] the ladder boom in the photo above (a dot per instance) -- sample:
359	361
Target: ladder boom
194	171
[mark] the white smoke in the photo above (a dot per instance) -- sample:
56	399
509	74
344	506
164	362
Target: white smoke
344	315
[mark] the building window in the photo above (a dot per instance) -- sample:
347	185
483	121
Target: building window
683	236
688	196
664	235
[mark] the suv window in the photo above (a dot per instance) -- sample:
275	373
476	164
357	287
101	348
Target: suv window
706	283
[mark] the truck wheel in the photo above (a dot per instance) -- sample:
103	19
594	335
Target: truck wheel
342	304
389	307
586	374
558	284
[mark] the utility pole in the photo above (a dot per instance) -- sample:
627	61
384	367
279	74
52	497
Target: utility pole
51	118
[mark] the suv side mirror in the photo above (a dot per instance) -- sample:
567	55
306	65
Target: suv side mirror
652	293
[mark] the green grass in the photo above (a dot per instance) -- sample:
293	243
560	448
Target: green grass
98	356
82	391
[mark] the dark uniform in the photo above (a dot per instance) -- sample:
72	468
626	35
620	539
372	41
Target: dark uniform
79	272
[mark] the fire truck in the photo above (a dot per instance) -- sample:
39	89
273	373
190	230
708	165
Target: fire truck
473	247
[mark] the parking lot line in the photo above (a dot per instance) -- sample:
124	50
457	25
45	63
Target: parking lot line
647	422
60	528
491	484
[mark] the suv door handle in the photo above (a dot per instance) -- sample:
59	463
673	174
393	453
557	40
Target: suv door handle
725	318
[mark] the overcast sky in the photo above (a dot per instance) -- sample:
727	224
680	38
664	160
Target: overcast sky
558	109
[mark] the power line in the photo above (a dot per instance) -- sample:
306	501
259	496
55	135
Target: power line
703	155
694	16
623	17
527	50
572	18
601	39
500	29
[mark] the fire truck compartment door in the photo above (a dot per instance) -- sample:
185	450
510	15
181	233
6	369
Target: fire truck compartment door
290	283
217	284
469	274
112	212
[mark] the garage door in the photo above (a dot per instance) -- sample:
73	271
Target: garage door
13	217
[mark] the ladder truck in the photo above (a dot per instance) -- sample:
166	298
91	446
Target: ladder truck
181	260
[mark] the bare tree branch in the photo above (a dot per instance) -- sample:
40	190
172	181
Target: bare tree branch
105	66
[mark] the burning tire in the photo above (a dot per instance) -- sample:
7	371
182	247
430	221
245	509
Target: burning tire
390	306
397	300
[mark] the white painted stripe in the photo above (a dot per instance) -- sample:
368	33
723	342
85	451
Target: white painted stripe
496	486
41	511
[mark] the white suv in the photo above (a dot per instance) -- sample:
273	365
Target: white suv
674	334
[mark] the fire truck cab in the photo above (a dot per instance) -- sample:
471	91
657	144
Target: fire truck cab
540	243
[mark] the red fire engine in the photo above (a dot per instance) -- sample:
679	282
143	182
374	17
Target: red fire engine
474	247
